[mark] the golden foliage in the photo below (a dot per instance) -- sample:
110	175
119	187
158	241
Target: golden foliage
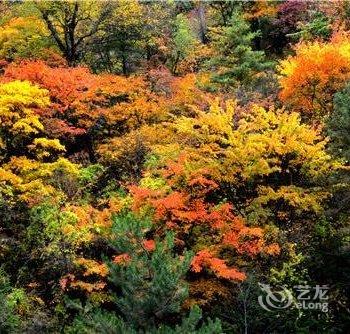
311	77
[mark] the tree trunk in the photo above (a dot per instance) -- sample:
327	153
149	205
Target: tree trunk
202	22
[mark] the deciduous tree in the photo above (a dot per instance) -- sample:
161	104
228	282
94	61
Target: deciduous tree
311	77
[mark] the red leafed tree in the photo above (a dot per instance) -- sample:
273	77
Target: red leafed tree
183	206
85	105
205	259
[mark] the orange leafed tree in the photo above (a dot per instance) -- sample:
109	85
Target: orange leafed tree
311	77
181	204
86	106
79	98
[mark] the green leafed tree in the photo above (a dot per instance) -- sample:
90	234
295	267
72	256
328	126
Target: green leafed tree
150	278
338	125
151	281
183	40
9	320
319	26
234	59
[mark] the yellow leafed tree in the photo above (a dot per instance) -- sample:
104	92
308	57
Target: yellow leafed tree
265	151
24	37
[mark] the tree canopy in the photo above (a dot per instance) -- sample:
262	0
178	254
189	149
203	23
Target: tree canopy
174	167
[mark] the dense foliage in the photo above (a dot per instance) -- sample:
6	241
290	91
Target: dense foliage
162	162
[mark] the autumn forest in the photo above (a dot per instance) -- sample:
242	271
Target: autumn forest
174	167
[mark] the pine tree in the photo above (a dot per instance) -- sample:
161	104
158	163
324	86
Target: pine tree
103	322
234	59
151	281
338	125
150	278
